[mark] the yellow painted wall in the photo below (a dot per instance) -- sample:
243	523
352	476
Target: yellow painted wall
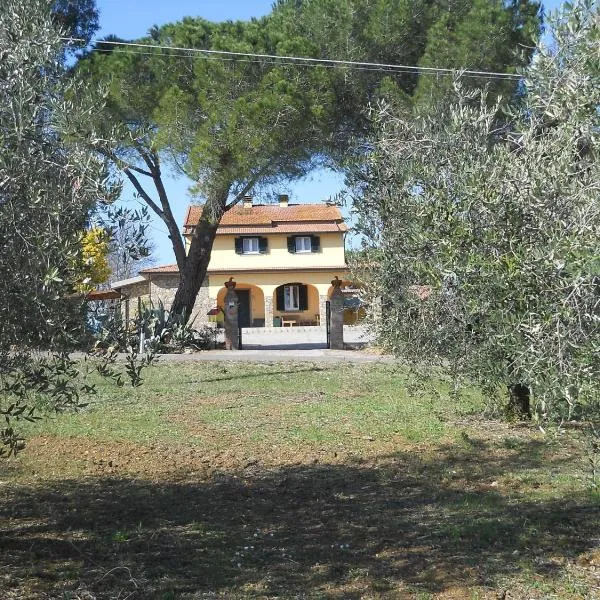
223	254
268	281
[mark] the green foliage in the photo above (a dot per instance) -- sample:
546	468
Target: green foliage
461	34
75	18
165	332
154	330
30	383
129	248
226	122
49	186
484	227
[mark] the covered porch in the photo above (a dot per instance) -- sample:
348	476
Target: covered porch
272	300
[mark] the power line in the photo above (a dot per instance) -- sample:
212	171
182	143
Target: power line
273	62
296	60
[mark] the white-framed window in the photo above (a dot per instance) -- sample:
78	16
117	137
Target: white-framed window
250	245
291	297
303	244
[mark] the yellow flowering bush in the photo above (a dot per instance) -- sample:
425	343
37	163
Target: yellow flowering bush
95	269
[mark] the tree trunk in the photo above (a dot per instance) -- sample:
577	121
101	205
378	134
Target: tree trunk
519	404
198	257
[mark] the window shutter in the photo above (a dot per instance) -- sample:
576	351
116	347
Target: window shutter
292	244
280	302
263	245
239	248
315	243
303	297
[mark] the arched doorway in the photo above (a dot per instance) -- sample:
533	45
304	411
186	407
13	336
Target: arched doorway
296	304
251	310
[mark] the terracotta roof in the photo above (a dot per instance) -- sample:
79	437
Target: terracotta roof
174	269
269	215
306	227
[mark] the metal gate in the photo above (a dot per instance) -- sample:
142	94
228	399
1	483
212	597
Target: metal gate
328	322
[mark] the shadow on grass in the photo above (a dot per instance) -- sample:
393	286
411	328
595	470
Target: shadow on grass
230	373
326	531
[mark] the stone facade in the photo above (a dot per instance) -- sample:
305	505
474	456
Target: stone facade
203	304
164	287
336	332
323	308
269	311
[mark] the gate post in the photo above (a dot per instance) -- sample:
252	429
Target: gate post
231	317
336	303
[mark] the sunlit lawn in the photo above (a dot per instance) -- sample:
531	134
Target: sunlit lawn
288	480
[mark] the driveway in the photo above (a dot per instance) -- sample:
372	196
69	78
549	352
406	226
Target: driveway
275	355
300	338
304	344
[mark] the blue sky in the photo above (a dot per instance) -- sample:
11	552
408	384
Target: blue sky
132	19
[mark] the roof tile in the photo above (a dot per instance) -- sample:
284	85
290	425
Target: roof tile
306	228
174	269
269	214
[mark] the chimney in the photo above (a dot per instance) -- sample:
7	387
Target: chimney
247	201
283	200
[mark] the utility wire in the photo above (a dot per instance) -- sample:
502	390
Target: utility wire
301	60
399	69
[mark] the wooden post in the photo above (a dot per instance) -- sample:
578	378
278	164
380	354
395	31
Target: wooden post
231	317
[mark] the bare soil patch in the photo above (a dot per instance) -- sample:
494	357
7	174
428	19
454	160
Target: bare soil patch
294	500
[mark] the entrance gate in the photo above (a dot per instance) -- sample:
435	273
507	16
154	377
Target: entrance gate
328	323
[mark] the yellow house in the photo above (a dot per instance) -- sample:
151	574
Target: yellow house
281	256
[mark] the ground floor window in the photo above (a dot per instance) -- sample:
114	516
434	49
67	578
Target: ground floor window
291	297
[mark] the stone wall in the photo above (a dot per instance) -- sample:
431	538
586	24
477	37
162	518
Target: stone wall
203	304
164	287
323	308
138	290
269	311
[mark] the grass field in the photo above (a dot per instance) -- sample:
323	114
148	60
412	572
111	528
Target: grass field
295	481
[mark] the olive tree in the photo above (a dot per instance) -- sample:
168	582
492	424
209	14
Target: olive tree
49	187
482	229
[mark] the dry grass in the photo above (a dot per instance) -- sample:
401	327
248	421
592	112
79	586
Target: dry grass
295	481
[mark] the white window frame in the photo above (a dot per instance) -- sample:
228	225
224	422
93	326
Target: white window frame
250	245
301	242
291	297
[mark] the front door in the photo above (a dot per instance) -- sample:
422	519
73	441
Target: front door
243	308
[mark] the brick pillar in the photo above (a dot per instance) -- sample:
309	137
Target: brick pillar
231	317
336	303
